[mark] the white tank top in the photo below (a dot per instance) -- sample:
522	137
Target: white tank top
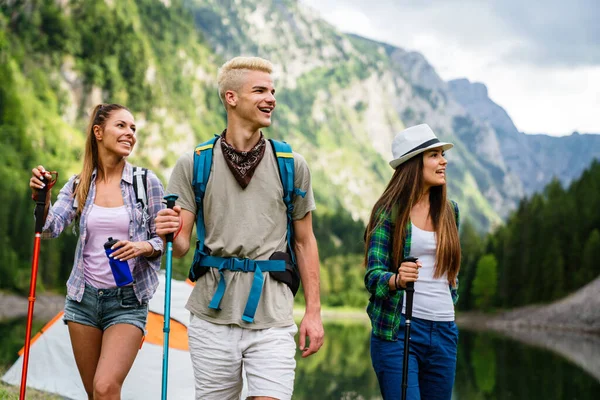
103	223
432	299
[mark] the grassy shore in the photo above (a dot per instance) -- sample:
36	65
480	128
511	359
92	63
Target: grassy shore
337	314
10	392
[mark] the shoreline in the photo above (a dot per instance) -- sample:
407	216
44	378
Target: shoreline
580	346
568	336
47	305
506	321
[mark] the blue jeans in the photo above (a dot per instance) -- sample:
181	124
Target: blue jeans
431	361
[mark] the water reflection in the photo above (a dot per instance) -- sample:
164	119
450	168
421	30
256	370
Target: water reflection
495	367
489	366
341	369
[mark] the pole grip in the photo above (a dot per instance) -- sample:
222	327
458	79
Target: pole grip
40	206
170	198
410	286
410	290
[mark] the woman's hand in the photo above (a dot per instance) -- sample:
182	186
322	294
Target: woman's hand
126	250
408	272
35	183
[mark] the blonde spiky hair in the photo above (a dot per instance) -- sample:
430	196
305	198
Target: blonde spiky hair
231	75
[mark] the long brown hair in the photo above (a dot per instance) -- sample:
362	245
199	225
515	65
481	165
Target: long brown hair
398	199
90	158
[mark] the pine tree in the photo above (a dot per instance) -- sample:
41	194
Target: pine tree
471	249
485	282
590	265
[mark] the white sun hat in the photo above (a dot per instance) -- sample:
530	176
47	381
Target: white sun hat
414	140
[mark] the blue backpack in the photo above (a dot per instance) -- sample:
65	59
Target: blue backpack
281	266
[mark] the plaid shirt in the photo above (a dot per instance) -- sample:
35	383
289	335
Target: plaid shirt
141	227
385	305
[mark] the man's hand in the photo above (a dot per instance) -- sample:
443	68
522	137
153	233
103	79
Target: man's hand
167	221
311	326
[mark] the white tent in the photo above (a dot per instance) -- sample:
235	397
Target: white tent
52	366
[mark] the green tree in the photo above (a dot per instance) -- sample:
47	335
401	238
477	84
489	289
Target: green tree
485	282
590	265
552	285
471	247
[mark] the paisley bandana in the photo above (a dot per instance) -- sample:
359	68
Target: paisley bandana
243	163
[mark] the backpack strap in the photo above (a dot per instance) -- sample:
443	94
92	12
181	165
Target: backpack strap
285	162
140	188
75	183
456	213
454	291
257	267
203	156
140	185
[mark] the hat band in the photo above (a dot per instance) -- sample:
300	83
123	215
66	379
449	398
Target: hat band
422	146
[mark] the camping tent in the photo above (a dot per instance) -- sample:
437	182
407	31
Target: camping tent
52	366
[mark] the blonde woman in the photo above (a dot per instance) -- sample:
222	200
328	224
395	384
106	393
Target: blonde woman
413	218
106	323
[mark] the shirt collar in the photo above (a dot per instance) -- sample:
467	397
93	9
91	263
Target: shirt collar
127	173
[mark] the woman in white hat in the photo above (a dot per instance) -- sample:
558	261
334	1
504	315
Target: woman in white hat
413	218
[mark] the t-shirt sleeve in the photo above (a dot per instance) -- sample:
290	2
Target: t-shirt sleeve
180	182
302	181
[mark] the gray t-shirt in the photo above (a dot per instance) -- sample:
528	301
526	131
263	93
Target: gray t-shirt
244	223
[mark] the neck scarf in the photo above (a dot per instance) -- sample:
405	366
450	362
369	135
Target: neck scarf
242	164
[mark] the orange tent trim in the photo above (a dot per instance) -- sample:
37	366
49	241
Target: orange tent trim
44	329
178	338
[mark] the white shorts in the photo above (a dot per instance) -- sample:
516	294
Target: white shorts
219	352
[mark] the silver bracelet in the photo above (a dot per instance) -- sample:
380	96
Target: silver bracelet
153	251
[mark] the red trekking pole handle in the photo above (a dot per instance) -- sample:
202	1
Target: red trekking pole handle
40	207
40	200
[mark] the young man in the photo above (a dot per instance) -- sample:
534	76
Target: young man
245	220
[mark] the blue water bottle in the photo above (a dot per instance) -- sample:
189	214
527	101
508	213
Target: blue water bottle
120	269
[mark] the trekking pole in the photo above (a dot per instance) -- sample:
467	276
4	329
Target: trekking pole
40	206
167	314
410	291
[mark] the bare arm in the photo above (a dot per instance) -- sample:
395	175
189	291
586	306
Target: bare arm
307	256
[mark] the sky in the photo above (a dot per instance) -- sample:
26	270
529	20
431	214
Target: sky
540	59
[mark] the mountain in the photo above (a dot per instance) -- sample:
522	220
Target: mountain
340	100
57	60
358	93
547	248
535	159
480	156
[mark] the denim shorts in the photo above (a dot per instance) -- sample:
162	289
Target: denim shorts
103	308
431	362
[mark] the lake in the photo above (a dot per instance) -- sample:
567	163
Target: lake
490	366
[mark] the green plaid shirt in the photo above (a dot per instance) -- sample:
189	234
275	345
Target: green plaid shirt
385	305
